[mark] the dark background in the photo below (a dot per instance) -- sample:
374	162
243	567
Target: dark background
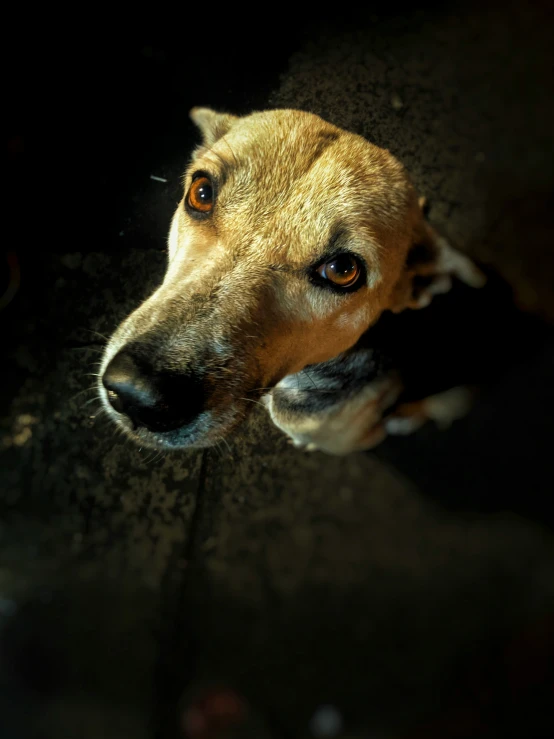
412	588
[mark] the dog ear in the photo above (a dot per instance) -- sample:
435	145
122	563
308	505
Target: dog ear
430	265
213	125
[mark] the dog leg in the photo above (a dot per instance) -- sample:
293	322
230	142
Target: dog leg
346	427
372	438
336	406
443	408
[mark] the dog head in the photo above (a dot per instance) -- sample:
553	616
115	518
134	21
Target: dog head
290	241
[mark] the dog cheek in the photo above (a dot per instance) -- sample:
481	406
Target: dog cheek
341	331
353	323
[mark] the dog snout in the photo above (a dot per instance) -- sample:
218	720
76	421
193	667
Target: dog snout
156	400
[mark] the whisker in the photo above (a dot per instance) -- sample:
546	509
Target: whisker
150	456
81	392
96	333
309	378
224	440
92	400
218	442
218	448
103	414
88	347
251	400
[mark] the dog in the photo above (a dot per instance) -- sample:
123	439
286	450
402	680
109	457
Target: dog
292	238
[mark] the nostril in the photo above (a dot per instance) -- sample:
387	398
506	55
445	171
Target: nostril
129	388
115	401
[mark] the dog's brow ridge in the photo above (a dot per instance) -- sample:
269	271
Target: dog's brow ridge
325	140
223	165
335	243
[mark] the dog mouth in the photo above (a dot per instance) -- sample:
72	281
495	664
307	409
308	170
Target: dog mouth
205	432
208	428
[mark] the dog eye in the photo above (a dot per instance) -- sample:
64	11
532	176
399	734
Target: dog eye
343	270
200	196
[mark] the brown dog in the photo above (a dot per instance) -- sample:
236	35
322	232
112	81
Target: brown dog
292	238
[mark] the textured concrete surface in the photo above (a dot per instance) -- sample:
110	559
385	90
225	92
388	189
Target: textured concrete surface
411	588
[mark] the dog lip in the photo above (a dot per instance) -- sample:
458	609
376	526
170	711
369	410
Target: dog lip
174	439
203	433
168	439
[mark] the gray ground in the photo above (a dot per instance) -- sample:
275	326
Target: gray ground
412	588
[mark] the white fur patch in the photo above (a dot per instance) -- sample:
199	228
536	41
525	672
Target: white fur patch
445	408
398	426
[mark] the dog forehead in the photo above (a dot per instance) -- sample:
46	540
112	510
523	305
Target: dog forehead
294	180
278	131
289	183
269	155
282	147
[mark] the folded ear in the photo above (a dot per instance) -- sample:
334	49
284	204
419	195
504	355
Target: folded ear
430	265
213	125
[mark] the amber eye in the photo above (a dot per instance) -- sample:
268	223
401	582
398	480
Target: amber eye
341	271
200	196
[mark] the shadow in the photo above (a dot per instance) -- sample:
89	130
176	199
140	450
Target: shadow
75	661
499	457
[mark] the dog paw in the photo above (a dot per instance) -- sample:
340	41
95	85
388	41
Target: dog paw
402	426
304	446
447	407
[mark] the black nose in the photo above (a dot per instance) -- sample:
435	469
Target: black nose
159	401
